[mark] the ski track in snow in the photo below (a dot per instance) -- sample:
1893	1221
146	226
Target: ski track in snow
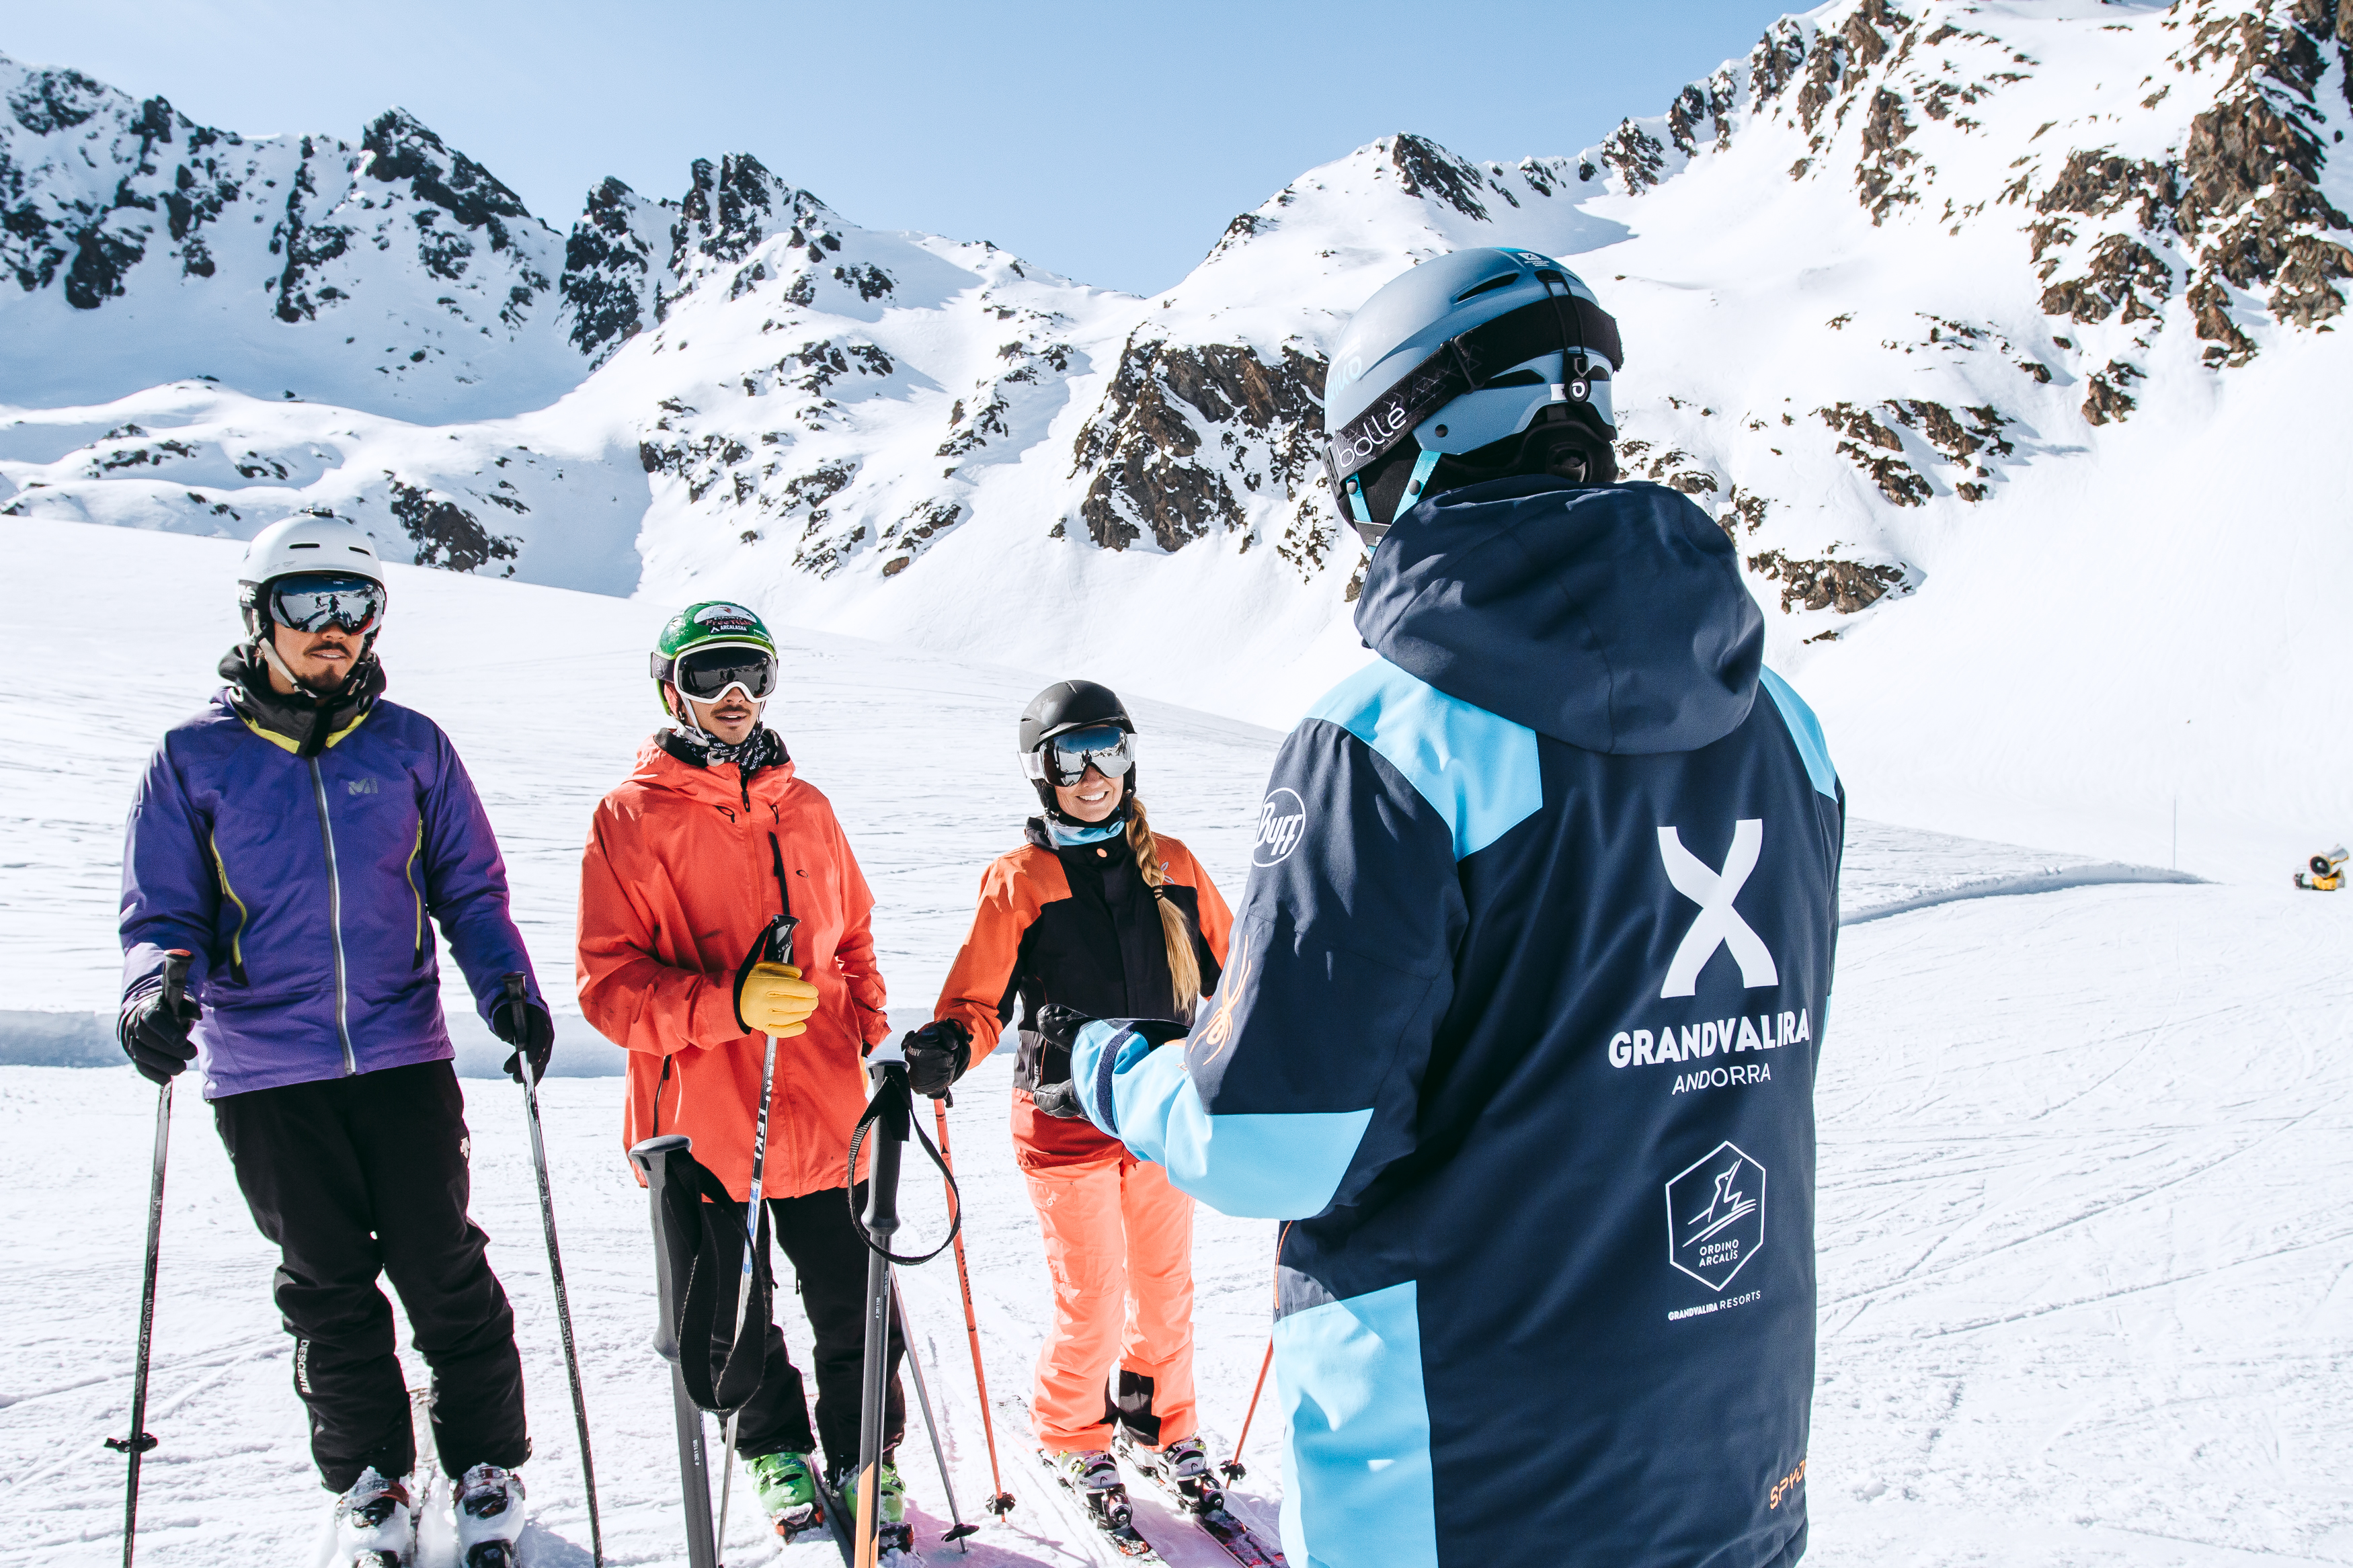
2081	1249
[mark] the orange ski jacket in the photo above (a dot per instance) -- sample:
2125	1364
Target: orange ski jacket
1074	924
683	868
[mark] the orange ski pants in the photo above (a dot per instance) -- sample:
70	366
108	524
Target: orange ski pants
1119	1243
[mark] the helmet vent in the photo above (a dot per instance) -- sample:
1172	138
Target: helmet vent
304	544
1502	281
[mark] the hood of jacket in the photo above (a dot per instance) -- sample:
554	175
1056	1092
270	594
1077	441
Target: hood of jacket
1611	617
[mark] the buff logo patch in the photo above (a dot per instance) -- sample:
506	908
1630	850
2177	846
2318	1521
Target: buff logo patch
1281	823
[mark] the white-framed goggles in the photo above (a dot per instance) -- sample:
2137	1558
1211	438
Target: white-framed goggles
1064	759
708	673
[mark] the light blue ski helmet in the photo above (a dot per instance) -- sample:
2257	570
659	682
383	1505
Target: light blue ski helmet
1464	351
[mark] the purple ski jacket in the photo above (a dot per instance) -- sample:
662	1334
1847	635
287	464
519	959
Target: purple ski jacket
301	885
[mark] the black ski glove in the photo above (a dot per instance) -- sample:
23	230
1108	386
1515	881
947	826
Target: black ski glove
937	1054
1057	1030
526	1027
155	1034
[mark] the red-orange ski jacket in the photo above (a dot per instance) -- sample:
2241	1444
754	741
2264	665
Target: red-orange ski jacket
683	868
1074	925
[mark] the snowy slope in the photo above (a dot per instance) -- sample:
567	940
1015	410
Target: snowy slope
2002	337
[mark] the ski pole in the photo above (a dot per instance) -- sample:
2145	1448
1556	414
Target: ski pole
515	999
1000	1503
652	1157
175	985
891	1099
939	1456
776	939
1233	1467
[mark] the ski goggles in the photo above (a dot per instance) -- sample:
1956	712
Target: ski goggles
707	673
313	601
1106	748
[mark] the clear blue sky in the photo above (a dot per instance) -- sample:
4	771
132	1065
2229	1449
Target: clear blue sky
1110	142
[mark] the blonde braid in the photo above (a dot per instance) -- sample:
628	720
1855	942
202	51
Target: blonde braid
1184	966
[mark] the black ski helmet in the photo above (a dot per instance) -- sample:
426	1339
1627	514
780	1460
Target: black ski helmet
1062	707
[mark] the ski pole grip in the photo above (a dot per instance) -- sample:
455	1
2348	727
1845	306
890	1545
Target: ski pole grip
777	942
175	975
517	996
652	1157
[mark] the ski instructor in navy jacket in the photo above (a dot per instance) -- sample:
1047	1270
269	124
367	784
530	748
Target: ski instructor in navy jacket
1526	988
294	836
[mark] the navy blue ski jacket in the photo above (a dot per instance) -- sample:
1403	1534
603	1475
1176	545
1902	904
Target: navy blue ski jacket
1519	1029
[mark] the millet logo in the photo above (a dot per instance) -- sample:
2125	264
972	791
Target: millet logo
362	786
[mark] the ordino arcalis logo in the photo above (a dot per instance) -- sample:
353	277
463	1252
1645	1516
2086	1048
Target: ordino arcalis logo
1715	1215
1281	823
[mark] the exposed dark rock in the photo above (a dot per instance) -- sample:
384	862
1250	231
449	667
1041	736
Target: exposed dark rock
1897	480
1885	157
871	281
1959	441
52	101
1638	156
1149	445
446	535
1778	58
607	282
1846	586
2210	304
2122	272
2106	399
306	247
914	533
1425	169
402	149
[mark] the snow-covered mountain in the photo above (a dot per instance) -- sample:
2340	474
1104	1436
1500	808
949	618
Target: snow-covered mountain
2001	337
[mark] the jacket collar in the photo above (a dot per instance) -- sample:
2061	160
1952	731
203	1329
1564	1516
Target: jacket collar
719	784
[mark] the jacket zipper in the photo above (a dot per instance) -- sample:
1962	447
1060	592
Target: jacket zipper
657	1089
334	921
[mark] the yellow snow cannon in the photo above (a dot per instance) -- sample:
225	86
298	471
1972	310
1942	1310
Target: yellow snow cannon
2327	873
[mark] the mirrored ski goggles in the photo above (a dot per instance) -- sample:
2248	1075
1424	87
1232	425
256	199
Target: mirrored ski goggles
313	601
707	673
1106	748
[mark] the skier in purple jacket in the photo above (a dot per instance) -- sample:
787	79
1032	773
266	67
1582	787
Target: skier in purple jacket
294	836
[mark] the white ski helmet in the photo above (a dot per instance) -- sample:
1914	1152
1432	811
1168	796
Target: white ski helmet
302	544
1469	356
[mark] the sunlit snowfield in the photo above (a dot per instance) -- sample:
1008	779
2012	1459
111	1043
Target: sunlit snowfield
2083	1150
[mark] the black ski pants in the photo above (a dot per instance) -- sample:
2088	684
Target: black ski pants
354	1177
830	1268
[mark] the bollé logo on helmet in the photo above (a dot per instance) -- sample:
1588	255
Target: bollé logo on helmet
1281	823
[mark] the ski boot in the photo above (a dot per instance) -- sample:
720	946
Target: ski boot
376	1526
788	1491
891	1531
489	1514
1181	1469
1093	1476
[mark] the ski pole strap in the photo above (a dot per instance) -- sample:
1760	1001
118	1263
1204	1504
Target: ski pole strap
894	1090
703	1230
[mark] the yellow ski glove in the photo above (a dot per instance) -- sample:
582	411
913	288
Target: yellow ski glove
773	999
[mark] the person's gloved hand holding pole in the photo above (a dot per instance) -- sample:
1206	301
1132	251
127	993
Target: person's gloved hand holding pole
524	1024
773	999
937	1054
153	1029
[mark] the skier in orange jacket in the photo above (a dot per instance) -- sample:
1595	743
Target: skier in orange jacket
686	863
1095	913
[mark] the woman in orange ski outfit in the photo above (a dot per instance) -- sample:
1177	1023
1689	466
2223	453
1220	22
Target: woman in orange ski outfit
1097	914
711	836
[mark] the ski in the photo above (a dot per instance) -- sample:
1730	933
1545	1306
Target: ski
1204	1502
896	1549
1117	1532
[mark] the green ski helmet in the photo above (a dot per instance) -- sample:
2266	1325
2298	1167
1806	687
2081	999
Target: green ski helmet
715	627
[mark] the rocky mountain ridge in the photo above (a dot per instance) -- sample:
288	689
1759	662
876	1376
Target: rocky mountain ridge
1899	264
